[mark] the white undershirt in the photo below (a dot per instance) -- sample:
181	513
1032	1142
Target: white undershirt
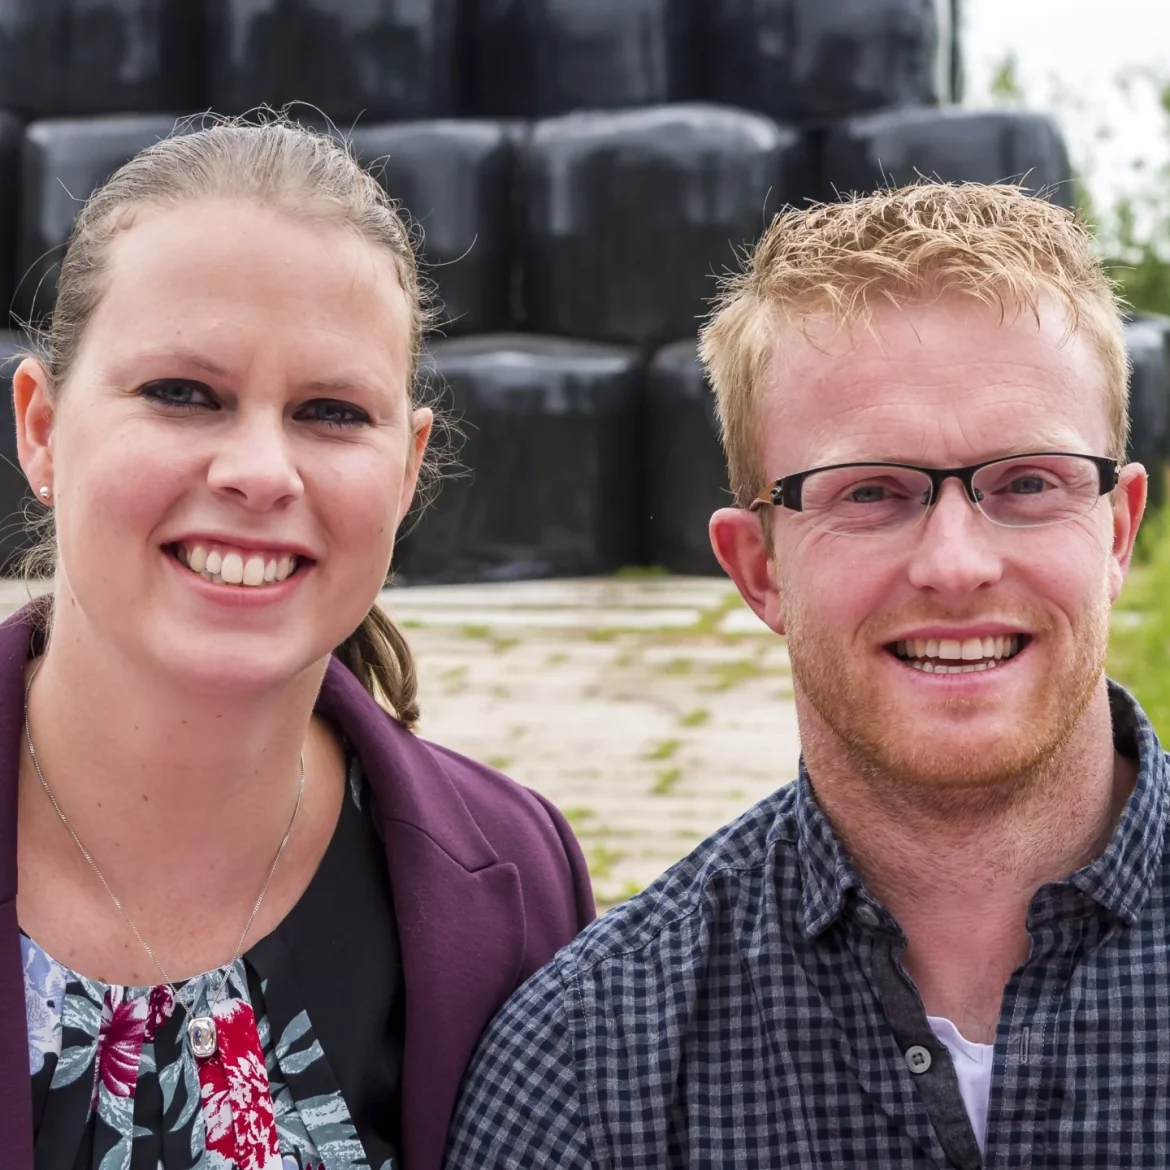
973	1065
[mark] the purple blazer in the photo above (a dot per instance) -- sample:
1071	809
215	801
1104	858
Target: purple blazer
487	879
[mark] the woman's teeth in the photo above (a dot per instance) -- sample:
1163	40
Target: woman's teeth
236	568
950	656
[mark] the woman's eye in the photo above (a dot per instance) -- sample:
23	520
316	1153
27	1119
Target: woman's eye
332	413
175	392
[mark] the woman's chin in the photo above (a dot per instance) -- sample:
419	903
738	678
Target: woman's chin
242	665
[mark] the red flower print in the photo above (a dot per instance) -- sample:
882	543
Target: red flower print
119	1048
237	1100
162	1006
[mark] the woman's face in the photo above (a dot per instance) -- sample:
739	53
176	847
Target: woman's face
234	448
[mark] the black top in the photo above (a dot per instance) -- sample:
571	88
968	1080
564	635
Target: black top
310	1027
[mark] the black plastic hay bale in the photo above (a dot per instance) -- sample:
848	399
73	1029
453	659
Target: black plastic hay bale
953	145
71	58
551	457
686	474
811	61
537	58
64	161
1147	340
455	180
628	215
392	59
11	137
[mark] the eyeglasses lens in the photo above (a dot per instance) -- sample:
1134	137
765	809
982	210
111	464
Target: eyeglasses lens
1037	490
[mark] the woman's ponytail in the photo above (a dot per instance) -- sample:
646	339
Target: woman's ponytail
377	653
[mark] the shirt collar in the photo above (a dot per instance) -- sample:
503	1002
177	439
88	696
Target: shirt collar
1119	880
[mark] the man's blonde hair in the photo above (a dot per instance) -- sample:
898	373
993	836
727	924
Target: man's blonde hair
993	243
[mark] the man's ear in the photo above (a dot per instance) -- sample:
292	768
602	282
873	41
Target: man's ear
1129	505
33	406
737	538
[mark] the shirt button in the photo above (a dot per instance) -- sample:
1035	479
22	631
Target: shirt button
867	915
918	1059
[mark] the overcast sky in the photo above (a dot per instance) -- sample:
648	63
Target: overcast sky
1069	53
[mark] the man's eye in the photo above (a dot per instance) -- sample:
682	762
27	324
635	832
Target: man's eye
1027	485
333	413
868	493
178	393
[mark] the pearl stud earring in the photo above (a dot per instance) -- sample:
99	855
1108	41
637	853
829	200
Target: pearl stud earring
44	491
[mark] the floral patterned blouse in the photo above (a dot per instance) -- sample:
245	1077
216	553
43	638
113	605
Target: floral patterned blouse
310	1024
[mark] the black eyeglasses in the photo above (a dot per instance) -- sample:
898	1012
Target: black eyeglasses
1016	491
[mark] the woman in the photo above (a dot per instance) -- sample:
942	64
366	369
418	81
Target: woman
259	923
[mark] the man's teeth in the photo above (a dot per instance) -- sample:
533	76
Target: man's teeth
234	568
950	656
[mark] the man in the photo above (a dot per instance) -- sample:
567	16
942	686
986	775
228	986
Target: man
948	943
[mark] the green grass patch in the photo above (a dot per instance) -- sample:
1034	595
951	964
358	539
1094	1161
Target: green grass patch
576	814
665	781
603	634
1139	652
664	749
696	718
709	619
476	631
732	674
500	763
601	859
641	573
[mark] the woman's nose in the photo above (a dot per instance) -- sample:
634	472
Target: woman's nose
255	463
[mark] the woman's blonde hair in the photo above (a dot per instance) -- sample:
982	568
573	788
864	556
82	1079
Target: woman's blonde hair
993	243
281	165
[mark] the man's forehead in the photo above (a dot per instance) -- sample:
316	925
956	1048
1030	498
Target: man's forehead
930	383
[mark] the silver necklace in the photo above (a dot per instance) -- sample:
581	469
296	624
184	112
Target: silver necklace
201	1030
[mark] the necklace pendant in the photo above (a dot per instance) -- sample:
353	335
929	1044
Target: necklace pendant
201	1031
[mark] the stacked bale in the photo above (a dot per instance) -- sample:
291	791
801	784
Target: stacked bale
551	454
11	137
455	180
64	58
393	59
627	215
802	61
1147	339
894	148
686	473
64	160
537	58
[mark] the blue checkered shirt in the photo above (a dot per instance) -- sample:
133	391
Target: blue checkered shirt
748	1010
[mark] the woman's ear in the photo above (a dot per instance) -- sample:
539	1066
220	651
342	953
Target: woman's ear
33	406
422	420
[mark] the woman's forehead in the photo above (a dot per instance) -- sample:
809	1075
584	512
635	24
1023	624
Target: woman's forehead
236	275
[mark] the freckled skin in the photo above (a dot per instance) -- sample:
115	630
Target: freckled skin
940	385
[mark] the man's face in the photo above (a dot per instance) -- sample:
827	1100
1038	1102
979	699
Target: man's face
940	385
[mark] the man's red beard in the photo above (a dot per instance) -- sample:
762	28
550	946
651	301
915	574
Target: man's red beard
882	741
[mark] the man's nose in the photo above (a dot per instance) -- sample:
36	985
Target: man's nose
955	548
255	462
